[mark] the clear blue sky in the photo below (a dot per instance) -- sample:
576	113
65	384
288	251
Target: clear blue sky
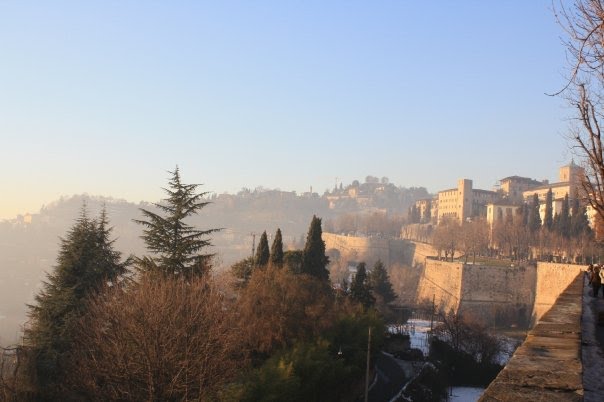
104	97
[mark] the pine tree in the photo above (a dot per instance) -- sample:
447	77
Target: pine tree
277	250
176	244
86	262
379	283
548	220
534	216
314	260
262	252
359	288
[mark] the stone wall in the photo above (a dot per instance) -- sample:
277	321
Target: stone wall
440	282
552	280
498	295
548	365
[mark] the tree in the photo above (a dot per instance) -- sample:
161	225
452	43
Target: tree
548	220
359	288
262	252
584	26
86	263
380	284
534	219
314	260
578	220
161	340
564	219
277	250
176	244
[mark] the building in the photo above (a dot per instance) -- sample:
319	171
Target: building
513	187
497	211
464	202
570	178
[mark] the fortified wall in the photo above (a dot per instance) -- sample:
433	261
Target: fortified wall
499	295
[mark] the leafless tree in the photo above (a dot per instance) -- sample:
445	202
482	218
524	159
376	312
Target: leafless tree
584	27
157	341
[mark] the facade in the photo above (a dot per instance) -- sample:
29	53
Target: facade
513	187
496	211
463	202
570	177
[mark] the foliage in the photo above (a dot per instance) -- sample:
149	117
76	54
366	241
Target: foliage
277	250
242	269
176	244
548	219
262	252
379	282
314	370
86	262
160	340
278	307
467	351
314	261
360	290
292	260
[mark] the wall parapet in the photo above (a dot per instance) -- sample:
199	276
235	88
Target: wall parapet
547	366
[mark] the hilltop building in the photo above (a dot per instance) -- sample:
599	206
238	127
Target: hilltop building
464	202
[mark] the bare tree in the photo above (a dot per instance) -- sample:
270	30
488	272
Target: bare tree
584	26
160	340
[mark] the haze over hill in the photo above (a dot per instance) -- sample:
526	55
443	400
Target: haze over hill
29	244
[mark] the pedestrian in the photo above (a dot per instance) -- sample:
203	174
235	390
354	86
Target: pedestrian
590	270
601	274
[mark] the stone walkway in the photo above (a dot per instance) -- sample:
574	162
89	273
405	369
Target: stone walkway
592	346
547	366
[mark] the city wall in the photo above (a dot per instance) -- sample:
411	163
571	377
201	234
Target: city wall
500	295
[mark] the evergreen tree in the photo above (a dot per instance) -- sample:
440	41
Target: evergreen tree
277	250
314	260
359	288
428	213
548	220
86	262
578	222
176	244
534	216
262	252
564	219
379	283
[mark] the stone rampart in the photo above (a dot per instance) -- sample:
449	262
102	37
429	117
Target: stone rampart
498	295
369	249
440	282
548	365
552	280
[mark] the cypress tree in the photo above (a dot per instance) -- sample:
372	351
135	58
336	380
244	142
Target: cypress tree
262	252
176	244
314	260
86	262
534	216
548	220
564	219
277	250
578	221
379	283
359	288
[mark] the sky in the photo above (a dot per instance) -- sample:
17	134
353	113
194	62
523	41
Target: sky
105	97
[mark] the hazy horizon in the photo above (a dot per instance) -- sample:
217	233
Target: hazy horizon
103	99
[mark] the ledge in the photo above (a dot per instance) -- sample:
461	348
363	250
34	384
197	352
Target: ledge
547	366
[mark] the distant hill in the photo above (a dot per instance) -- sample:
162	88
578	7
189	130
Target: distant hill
29	244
